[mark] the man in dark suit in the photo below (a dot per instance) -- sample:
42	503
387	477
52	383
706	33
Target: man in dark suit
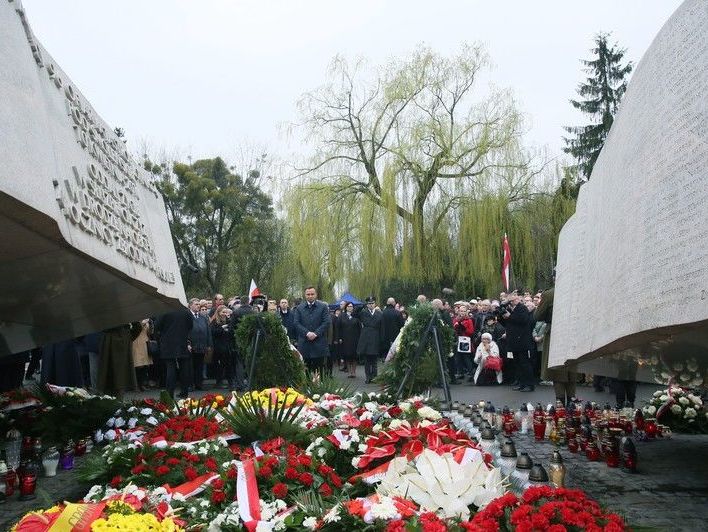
173	331
288	319
369	344
312	322
200	342
518	341
392	321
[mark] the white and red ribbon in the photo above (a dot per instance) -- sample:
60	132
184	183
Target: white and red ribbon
249	506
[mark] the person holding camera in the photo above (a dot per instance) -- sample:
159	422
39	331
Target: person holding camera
223	340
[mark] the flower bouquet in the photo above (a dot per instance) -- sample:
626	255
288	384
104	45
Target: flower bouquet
680	409
545	509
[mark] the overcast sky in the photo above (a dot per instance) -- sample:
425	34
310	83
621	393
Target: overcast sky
204	77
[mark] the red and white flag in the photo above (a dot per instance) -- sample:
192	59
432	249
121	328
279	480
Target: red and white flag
506	263
253	291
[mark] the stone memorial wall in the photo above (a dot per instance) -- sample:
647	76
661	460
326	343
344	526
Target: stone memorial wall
632	272
86	243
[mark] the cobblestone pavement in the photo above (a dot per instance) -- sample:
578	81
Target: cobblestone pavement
669	492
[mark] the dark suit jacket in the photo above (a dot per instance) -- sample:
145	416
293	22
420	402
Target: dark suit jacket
288	320
200	335
518	334
348	331
173	329
316	319
390	326
370	338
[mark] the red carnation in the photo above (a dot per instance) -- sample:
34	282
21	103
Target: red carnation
396	526
280	490
172	461
335	480
291	473
306	479
324	469
325	490
211	464
231	473
138	469
218	496
116	481
162	470
190	473
265	472
217	484
305	460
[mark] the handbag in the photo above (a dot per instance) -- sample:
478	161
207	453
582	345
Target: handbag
493	363
464	344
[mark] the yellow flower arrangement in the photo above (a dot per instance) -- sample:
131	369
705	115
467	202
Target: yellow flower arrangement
134	523
275	397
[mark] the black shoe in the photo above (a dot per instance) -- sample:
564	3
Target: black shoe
527	389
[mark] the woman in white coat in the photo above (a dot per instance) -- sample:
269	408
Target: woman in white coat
486	349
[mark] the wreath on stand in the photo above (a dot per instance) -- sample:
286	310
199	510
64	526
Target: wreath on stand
426	372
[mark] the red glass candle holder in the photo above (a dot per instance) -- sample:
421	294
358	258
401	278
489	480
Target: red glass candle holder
592	452
539	429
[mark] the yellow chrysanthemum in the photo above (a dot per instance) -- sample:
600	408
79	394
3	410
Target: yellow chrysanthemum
135	523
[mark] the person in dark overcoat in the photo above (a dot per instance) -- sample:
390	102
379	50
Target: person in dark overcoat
61	364
312	322
391	324
287	317
348	331
116	373
200	342
369	344
518	341
173	330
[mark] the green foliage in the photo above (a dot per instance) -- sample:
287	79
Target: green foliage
426	371
251	422
71	418
602	92
217	219
325	385
276	364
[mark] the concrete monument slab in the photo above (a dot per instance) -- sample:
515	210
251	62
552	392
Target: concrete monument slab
85	241
632	268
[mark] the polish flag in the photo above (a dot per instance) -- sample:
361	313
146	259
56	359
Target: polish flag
253	291
506	263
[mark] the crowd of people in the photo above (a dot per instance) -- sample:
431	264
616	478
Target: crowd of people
500	341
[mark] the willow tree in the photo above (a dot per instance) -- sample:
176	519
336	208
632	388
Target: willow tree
406	147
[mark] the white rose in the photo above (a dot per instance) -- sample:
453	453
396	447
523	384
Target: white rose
146	411
664	398
684	400
678	366
132	422
119	422
425	423
345	445
376	428
132	409
651	410
405	406
98	437
696	400
429	413
355	462
676	409
690	413
151	421
363	447
395	424
110	435
321	452
354	435
310	522
110	422
658	393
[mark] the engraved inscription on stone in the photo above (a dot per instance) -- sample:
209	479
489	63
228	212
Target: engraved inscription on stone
634	257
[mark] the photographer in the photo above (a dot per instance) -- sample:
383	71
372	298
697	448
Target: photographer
223	340
516	319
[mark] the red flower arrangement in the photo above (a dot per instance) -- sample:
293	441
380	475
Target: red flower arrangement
185	429
547	509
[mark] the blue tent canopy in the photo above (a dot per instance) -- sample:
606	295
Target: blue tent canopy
346	296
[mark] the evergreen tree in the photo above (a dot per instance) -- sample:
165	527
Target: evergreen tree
601	94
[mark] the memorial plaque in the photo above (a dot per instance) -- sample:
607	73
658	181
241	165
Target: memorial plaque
632	268
85	240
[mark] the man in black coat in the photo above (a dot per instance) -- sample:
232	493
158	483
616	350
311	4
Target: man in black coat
312	322
173	330
288	319
200	342
391	323
369	344
518	342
